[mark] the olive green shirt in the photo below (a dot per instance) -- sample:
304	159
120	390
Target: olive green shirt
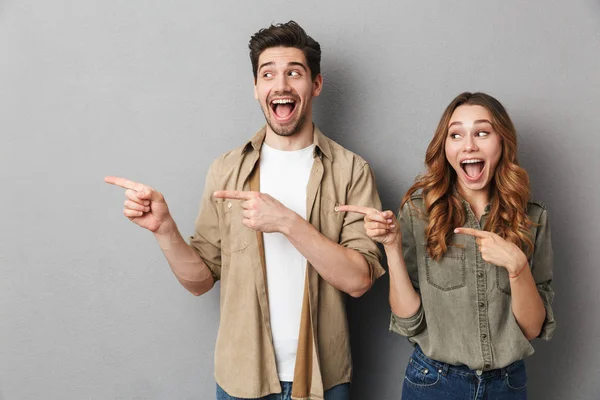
465	315
244	356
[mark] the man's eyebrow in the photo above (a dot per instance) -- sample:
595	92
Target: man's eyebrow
299	64
290	64
266	64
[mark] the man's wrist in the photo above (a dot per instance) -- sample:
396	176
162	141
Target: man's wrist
289	221
167	228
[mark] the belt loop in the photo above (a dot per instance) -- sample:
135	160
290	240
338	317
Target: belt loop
445	369
503	372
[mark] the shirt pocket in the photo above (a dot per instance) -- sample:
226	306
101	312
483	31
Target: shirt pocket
233	232
502	280
449	272
331	220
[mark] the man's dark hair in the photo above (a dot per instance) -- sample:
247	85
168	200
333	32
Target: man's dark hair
288	34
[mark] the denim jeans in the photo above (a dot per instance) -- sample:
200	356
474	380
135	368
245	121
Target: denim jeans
339	392
427	379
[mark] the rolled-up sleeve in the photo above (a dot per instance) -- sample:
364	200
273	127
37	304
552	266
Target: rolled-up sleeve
206	239
541	268
412	325
363	191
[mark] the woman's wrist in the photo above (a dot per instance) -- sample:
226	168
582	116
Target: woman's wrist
518	267
395	246
514	265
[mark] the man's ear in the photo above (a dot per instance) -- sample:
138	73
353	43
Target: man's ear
317	85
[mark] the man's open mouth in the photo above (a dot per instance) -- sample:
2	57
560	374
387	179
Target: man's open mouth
283	108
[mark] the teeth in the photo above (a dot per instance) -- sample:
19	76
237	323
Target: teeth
283	101
471	161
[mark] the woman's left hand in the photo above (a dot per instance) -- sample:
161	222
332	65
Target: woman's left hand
496	250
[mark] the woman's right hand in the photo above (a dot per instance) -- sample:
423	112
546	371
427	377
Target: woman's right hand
381	226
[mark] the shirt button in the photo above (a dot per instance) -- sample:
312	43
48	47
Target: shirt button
487	366
229	205
480	274
483	335
481	304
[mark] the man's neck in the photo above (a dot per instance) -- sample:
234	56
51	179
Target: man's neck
297	141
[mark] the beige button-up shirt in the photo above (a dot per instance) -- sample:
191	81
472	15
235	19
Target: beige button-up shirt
244	356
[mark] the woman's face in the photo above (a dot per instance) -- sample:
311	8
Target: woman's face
473	148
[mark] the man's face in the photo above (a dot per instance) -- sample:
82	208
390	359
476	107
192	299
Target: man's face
284	89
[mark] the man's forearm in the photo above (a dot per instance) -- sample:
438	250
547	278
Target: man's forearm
188	267
345	269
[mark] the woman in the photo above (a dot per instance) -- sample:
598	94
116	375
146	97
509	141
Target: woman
471	265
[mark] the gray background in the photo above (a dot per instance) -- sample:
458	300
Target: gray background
155	90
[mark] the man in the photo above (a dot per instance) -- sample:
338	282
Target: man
269	229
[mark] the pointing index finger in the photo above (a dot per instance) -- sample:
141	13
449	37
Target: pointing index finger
122	182
472	232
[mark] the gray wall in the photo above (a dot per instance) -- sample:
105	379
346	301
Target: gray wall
156	90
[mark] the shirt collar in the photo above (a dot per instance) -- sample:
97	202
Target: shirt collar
466	204
320	141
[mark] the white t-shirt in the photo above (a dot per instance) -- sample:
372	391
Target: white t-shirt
284	175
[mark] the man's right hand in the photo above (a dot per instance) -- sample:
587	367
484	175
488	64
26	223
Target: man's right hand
144	206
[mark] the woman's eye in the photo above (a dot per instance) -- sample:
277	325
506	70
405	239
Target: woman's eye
482	134
454	136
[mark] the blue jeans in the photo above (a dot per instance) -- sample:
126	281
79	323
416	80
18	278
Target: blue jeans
339	392
427	379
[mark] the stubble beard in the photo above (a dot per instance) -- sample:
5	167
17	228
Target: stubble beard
288	130
285	130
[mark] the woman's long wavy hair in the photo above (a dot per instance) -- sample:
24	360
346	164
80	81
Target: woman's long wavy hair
509	187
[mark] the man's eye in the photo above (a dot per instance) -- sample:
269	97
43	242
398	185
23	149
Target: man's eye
267	75
294	73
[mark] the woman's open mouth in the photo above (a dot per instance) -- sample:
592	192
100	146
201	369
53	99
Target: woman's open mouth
473	168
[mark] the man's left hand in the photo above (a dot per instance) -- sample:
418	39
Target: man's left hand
261	211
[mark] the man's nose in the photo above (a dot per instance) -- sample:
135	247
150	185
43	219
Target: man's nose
282	83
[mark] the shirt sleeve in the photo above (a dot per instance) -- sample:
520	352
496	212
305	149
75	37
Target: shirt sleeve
362	191
542	263
206	239
415	324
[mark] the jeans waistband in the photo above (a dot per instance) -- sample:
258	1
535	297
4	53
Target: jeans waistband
464	370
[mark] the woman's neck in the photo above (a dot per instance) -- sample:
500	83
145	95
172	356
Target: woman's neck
477	199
